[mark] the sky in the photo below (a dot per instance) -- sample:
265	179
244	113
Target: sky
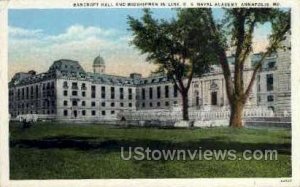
37	37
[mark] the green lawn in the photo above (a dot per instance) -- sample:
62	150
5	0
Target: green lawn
67	151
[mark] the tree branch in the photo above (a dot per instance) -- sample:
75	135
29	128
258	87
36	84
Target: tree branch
240	35
190	77
221	55
255	71
247	50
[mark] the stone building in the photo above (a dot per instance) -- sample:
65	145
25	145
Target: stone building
67	92
274	80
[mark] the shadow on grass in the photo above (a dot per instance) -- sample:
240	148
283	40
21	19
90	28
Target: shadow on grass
93	143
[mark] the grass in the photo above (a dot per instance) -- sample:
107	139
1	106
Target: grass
68	151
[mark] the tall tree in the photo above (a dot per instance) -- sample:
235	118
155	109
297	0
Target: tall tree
241	23
181	47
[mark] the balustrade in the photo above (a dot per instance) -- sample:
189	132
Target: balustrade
167	115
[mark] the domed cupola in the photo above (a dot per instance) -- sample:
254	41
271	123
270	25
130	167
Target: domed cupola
99	65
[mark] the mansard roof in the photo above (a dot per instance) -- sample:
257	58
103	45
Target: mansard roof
154	80
70	69
66	65
110	79
28	78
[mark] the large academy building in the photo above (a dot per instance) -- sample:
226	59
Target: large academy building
67	92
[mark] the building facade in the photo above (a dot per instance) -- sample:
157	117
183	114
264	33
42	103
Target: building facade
67	92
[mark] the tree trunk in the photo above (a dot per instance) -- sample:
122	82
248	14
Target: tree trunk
185	106
236	114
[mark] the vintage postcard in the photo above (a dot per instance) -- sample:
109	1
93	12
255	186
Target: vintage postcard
150	93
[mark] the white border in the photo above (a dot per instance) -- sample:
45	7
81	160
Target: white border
4	157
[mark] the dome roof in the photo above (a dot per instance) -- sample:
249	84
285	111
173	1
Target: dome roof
98	61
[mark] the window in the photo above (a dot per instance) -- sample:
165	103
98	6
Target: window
93	104
31	92
23	93
271	64
74	85
36	91
112	112
65	103
19	93
158	92
103	113
259	99
103	104
270	98
175	91
167	103
269	82
103	92
143	105
112	92
150	93
83	103
130	104
65	92
93	93
158	104
27	92
121	93
130	93
65	84
143	94
83	94
166	91
112	104
74	103
175	102
93	112
214	98
150	104
74	93
121	104
65	112
83	112
83	87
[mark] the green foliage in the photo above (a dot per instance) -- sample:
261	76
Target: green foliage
180	46
241	23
